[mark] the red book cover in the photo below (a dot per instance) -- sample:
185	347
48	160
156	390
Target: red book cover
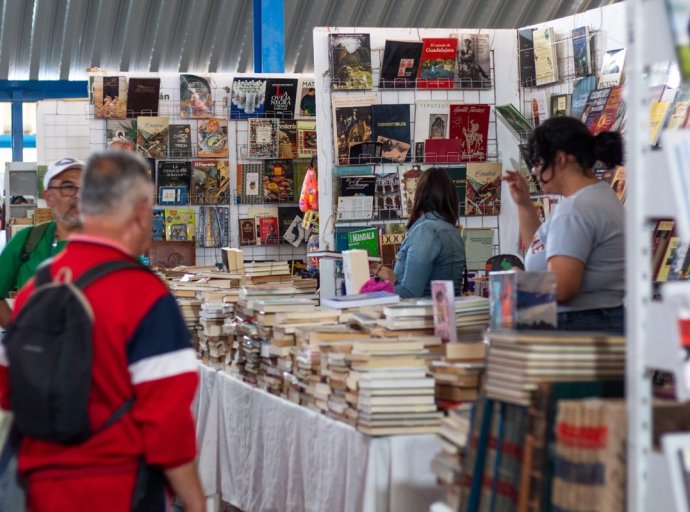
612	111
268	230
469	123
442	151
437	64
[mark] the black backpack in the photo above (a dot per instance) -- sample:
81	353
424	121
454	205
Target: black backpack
49	348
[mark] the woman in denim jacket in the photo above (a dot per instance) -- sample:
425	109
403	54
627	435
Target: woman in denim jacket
433	249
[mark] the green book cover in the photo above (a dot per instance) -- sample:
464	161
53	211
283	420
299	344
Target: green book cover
458	175
367	239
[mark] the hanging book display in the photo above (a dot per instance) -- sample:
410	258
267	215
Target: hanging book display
196	101
545	56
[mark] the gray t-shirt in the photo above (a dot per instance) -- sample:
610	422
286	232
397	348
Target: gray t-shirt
588	226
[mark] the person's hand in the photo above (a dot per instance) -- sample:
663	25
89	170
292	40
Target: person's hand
386	274
519	188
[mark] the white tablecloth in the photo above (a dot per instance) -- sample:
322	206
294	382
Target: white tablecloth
265	454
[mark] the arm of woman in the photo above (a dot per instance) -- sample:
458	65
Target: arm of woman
569	274
527	213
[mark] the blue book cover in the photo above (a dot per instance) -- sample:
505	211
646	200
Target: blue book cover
391	128
158	227
173	196
581	91
582	54
248	98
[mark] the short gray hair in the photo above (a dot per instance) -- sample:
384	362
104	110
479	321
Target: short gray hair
112	180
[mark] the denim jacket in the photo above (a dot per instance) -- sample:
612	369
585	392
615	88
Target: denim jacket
432	250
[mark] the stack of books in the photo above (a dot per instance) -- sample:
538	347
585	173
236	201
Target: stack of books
458	374
190	309
259	272
214	343
519	360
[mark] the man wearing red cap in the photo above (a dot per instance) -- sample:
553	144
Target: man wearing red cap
25	252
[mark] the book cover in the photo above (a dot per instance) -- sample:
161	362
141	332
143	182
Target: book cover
110	97
212	228
443	301
152	137
142	96
658	115
281	94
287	139
248	98
158	226
670	259
251	183
305	105
355	270
306	139
210	182
352	121
581	91
663	232
121	134
595	107
196	100
437	63
618	182
409	176
180	142
278	182
365	239
679	111
514	120
526	57
479	247
443	151
247	232
560	105
473	67
430	122
212	139
357	207
391	128
350	61
582	51
268	230
358	186
400	64
678	12
286	215
469	123
612	68
483	195
522	300
171	254
458	175
387	197
390	244
180	224
173	175
545	57
263	138
295	233
538	108
613	110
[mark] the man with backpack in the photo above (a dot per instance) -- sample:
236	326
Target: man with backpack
97	364
32	246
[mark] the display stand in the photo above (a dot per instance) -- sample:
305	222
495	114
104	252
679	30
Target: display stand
21	179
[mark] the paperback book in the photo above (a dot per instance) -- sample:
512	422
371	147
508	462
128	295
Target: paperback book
268	230
391	128
196	100
352	122
400	64
560	105
522	300
483	195
248	98
263	138
470	125
538	107
306	138
247	231
443	300
437	63
364	239
179	224
458	175
210	182
121	134
528	76
281	94
278	182
287	139
212	137
581	91
251	183
212	229
110	97
430	122
514	120
173	180
180	143
158	226
350	61
295	233
152	137
612	68
387	197
582	51
595	107
613	111
473	67
305	105
545	56
409	176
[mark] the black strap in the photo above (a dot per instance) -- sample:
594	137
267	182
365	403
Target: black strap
104	269
43	274
119	413
36	232
465	282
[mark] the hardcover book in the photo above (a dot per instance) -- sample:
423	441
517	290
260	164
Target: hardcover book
391	128
278	182
522	300
581	91
582	51
538	107
560	105
286	215
443	151
514	120
287	139
409	176
613	110
158	226
210	182
479	247
443	300
473	69
470	125
483	195
152	137
612	68
356	200
430	122
281	94
387	197
212	228
350	61
352	123
212	137
248	98
390	243
305	105
358	186
142	97
365	239
196	100
437	63
171	174
295	233
400	64
110	97
526	57
545	56
263	138
306	139
247	232
122	134
595	107
180	143
180	224
458	175
268	230
251	183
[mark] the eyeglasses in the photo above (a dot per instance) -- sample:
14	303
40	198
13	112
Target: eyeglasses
66	189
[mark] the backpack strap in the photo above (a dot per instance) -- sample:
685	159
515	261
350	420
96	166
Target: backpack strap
43	273
35	235
99	271
115	417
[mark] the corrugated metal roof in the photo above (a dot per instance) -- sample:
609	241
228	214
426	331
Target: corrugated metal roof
59	39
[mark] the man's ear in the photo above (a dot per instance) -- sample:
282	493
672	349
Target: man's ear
48	196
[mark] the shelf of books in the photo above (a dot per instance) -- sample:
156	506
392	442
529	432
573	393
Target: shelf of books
386	111
228	155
